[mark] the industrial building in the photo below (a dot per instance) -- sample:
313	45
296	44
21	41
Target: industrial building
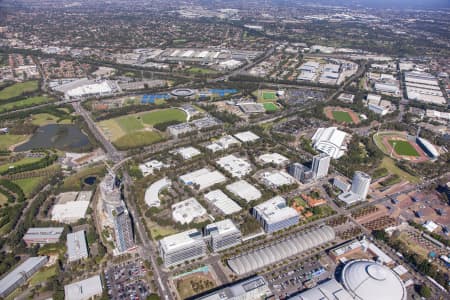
379	106
421	86
21	274
186	211
247	137
71	207
203	178
222	202
276	178
123	229
244	190
320	165
331	141
85	289
184	246
290	247
43	235
255	287
76	246
237	167
274	214
151	196
222	235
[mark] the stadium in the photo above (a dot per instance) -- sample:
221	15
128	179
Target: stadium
403	146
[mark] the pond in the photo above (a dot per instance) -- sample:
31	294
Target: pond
90	180
66	137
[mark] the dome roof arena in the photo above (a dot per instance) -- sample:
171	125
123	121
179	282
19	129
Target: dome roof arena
291	246
368	280
183	92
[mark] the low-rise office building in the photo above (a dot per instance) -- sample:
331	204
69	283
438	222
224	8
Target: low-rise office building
84	289
222	235
76	246
275	215
43	235
181	247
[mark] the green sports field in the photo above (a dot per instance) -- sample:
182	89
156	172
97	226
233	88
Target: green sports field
269	106
342	116
269	95
164	115
403	148
18	89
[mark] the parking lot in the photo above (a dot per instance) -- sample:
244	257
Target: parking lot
127	281
296	277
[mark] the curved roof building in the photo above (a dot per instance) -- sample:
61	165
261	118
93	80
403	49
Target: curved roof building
291	246
330	141
152	193
368	280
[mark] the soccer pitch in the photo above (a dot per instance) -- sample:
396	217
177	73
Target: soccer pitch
342	116
403	148
269	106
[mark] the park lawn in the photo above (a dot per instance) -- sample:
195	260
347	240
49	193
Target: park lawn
164	115
342	116
43	275
46	119
22	162
403	148
8	140
137	139
18	89
111	129
389	164
203	71
74	182
269	106
130	124
29	185
158	232
25	103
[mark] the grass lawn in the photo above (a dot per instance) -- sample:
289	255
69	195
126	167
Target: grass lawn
403	148
43	275
7	140
194	284
29	185
269	106
18	89
159	232
25	103
24	161
111	129
196	70
412	245
342	116
389	164
46	119
164	115
3	199
74	182
269	95
130	123
137	139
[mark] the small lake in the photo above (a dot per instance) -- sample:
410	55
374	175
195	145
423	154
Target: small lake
90	180
66	137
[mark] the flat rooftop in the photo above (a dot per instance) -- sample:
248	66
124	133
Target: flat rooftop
244	190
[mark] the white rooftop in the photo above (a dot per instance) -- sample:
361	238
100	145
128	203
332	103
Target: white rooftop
152	193
430	226
76	246
188	152
277	178
222	227
223	143
204	178
69	211
220	200
330	141
237	167
180	240
150	166
275	210
84	289
244	190
246	136
186	211
273	158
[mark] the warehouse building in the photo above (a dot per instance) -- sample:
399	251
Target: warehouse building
223	143
203	178
222	235
76	246
236	166
184	246
43	235
252	288
244	190
222	202
287	248
247	137
273	158
71	206
276	178
274	215
84	289
21	274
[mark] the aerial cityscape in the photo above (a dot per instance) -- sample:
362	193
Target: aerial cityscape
225	149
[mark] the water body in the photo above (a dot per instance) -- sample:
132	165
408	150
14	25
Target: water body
90	180
59	136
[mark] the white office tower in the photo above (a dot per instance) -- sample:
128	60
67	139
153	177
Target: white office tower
275	215
320	165
361	184
222	235
181	247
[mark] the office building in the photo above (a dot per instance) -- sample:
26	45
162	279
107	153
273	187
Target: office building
76	246
43	235
222	235
255	287
181	247
274	215
361	184
320	165
123	229
21	274
301	172
84	289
